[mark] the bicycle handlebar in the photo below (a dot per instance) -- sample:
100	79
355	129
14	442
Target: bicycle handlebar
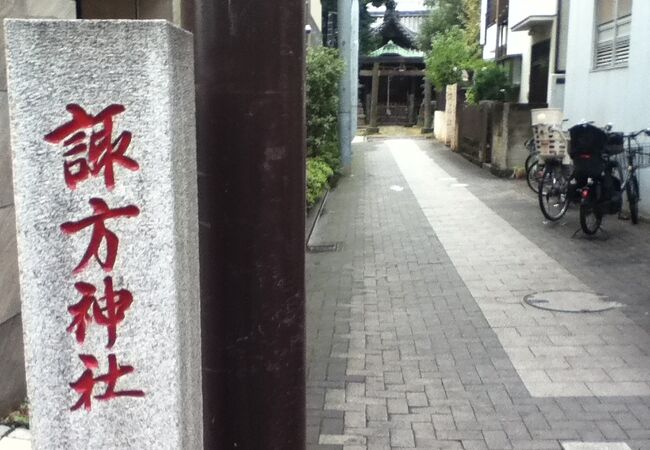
632	135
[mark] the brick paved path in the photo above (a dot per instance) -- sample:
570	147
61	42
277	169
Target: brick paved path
417	336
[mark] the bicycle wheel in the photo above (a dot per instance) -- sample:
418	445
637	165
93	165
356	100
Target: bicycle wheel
533	176
531	159
590	219
632	191
553	190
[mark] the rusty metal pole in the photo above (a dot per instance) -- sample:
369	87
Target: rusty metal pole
251	137
374	100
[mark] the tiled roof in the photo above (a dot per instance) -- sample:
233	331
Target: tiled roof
393	49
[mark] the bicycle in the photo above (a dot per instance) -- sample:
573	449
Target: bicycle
636	159
532	165
601	158
556	178
535	165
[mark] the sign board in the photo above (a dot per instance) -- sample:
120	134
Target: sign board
104	164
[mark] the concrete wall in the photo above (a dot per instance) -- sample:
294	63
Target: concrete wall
440	125
519	130
619	96
12	369
510	124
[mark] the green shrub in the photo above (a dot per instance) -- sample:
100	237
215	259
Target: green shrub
490	83
318	173
324	68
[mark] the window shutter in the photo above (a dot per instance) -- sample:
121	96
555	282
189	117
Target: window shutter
604	54
622	51
612	46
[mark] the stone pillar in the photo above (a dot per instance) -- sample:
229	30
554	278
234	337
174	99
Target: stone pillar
251	160
12	367
410	106
451	111
428	121
374	100
106	211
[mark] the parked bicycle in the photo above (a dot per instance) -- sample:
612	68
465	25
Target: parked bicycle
532	165
552	169
600	176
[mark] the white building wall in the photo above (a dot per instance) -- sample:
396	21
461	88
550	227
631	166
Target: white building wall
520	42
520	9
490	41
316	12
620	96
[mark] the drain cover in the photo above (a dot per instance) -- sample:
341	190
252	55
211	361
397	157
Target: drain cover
570	301
325	248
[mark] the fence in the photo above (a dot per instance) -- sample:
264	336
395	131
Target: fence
473	131
489	133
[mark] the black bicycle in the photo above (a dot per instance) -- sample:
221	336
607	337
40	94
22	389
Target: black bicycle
604	175
553	177
636	159
532	165
554	187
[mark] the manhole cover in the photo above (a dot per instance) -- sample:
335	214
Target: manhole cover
570	301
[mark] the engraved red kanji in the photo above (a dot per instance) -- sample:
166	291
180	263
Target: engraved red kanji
116	304
86	383
91	146
100	233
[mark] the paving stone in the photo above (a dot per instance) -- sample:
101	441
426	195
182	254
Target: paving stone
397	406
402	438
331	426
609	389
355	419
423	431
341	439
595	446
415	399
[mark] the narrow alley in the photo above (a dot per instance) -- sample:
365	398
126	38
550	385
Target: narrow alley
418	332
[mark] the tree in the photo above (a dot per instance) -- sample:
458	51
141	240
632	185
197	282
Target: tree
367	40
471	21
447	14
449	57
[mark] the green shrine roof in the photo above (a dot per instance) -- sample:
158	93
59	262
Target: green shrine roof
392	48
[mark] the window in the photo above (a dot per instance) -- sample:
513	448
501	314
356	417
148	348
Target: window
613	24
491	12
496	10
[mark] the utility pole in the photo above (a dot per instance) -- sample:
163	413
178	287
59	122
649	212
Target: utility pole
344	27
251	165
354	63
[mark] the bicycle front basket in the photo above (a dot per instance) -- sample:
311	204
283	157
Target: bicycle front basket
550	141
